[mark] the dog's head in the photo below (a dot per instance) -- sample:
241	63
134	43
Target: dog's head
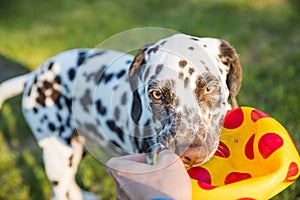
188	82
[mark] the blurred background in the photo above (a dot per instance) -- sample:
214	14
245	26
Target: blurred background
265	33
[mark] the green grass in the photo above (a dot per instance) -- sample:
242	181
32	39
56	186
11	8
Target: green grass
266	35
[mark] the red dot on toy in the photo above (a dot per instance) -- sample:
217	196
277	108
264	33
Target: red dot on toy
269	143
246	198
234	118
257	114
203	176
293	171
222	151
235	177
200	174
249	148
206	186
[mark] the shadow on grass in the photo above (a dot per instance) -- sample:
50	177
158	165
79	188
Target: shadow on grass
10	68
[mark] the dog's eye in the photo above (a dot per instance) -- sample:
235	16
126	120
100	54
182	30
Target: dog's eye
210	89
156	94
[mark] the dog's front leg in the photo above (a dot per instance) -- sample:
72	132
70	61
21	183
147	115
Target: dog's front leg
61	163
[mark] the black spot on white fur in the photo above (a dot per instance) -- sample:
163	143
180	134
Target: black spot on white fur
159	68
124	98
121	73
101	109
86	100
136	110
51	127
50	66
117	113
195	39
81	58
54	183
113	127
71	74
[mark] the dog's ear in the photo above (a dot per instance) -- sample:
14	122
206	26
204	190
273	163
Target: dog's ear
136	66
230	58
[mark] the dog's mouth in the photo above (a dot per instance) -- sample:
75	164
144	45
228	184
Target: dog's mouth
191	154
196	155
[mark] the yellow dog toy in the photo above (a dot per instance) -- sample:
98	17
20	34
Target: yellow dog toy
256	159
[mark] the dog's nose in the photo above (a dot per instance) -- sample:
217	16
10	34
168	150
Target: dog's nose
194	155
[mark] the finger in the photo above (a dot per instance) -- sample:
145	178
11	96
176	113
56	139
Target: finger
118	162
127	166
166	159
136	158
167	156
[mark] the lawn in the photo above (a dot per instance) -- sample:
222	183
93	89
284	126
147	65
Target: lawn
265	33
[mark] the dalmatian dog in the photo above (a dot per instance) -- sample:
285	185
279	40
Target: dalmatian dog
174	93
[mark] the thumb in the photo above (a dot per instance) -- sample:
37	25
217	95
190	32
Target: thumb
167	157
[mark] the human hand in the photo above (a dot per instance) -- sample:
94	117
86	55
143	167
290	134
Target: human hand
135	179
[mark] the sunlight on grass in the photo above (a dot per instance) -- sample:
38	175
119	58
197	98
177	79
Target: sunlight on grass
11	181
34	174
99	182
